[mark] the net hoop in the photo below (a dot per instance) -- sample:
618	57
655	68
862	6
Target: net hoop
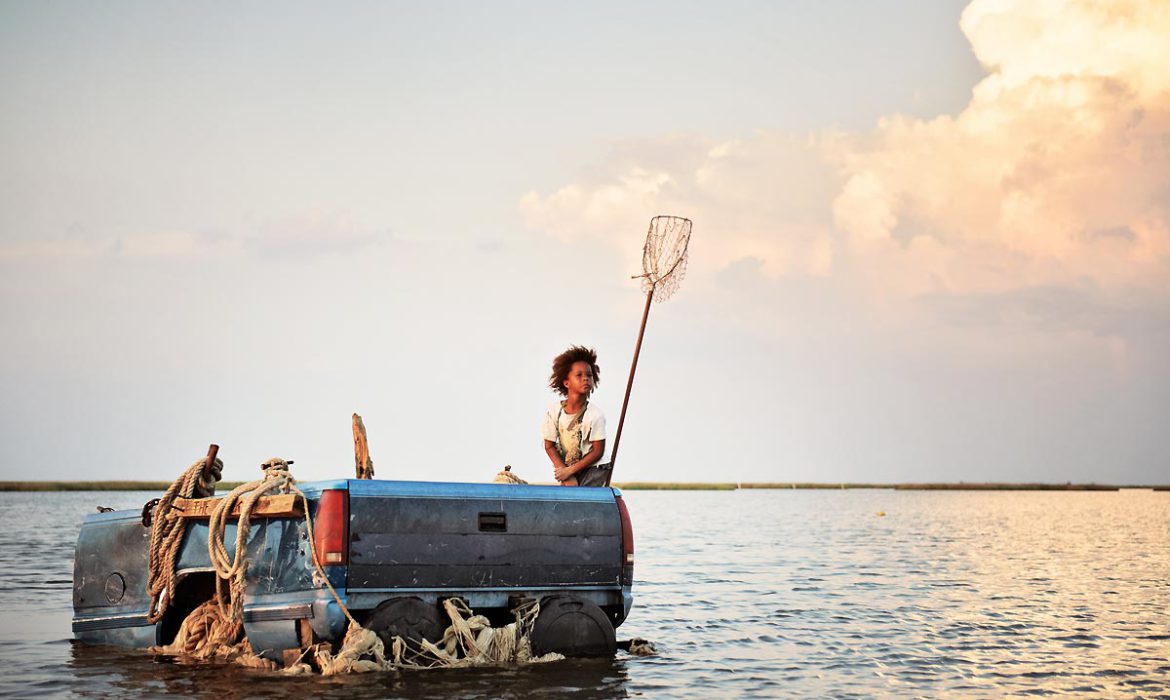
664	256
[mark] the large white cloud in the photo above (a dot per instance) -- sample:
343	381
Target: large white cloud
1056	173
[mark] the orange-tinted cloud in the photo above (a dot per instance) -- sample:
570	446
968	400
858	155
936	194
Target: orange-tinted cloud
1056	173
1057	170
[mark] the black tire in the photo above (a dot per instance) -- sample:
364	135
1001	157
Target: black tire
409	618
574	627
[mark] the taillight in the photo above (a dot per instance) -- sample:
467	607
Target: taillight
627	533
330	527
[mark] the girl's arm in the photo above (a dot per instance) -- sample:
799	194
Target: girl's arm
590	458
550	449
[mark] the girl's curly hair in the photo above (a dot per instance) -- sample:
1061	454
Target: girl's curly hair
564	362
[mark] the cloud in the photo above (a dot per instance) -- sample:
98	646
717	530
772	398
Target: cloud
308	235
1022	41
155	245
761	197
302	235
1055	175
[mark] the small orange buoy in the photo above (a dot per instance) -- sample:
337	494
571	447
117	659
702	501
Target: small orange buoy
881	513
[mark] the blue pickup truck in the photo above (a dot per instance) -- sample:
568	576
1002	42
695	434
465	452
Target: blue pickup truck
394	551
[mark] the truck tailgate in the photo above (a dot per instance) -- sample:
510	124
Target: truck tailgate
419	535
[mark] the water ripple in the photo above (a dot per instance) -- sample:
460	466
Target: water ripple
746	594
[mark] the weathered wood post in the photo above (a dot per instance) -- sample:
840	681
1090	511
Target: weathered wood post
210	475
363	465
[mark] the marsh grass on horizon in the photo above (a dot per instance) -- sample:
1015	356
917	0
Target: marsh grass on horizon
224	486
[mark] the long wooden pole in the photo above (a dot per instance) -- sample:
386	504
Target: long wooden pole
629	385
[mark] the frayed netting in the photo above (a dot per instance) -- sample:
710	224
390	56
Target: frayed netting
469	641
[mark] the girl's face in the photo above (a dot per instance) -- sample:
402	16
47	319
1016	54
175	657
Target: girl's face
580	379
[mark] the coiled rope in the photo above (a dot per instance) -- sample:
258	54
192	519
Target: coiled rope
166	533
507	476
230	568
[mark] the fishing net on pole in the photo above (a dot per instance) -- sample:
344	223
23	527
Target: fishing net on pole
664	257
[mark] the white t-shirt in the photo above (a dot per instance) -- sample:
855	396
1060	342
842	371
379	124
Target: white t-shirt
592	425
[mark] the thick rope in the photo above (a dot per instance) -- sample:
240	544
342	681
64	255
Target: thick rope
206	634
507	476
215	628
230	569
166	534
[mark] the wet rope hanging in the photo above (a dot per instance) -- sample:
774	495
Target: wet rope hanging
167	529
230	569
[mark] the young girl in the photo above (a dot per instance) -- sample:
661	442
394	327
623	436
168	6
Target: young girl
573	429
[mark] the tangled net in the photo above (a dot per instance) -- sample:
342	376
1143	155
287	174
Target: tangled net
470	640
664	256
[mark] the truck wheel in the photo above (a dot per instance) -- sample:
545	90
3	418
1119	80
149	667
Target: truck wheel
574	627
409	618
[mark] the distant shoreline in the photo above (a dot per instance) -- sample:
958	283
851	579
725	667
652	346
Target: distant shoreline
225	486
925	486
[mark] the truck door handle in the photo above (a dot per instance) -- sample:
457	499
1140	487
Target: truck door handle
493	522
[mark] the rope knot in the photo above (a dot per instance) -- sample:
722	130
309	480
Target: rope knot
276	464
277	468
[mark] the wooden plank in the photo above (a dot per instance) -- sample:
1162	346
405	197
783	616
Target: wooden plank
280	506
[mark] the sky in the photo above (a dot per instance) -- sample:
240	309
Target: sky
931	239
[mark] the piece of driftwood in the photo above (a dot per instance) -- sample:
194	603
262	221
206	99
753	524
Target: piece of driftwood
279	506
363	465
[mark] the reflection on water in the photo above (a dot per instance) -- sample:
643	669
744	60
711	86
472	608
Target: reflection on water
103	671
745	593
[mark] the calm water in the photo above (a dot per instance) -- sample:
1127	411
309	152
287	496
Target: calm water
747	594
